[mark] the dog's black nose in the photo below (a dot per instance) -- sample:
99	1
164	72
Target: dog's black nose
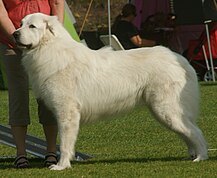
16	34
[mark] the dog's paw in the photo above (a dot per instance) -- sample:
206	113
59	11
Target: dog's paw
58	167
200	158
196	160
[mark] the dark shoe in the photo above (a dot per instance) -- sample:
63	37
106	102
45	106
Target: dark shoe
50	159
21	162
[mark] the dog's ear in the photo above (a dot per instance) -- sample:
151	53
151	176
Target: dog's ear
50	23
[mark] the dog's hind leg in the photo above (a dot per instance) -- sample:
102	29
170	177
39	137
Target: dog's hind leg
68	124
178	115
194	139
188	131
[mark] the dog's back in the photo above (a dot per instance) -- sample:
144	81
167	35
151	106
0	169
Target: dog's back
119	80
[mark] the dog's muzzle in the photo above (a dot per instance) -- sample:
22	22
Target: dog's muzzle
16	36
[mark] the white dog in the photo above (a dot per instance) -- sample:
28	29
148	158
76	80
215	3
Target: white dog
80	84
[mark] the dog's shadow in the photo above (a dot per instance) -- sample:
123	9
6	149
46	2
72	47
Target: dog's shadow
7	163
129	160
135	160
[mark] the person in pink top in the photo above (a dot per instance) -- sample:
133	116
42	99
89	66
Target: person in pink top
11	14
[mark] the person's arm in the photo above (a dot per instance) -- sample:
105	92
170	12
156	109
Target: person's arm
136	40
140	42
57	8
6	24
148	43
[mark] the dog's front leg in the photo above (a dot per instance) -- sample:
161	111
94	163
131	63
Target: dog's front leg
68	124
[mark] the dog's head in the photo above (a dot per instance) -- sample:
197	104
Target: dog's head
35	29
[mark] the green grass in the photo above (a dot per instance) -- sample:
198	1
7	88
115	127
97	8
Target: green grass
147	150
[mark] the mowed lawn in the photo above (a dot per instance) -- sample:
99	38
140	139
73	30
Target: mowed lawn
133	145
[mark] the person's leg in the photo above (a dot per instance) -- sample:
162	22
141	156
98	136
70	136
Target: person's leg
47	119
18	100
50	132
19	135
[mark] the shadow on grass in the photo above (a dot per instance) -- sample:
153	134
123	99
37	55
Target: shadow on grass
128	160
208	83
38	162
8	163
138	160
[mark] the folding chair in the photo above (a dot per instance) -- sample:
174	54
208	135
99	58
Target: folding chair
115	43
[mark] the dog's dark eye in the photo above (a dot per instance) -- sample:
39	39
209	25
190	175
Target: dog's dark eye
32	26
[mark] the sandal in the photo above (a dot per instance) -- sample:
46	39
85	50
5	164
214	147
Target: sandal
50	159
21	162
